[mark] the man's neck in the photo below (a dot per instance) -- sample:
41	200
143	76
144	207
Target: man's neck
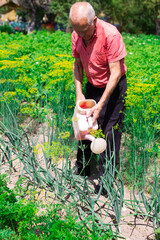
85	42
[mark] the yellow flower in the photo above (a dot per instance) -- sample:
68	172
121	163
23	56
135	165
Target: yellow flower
10	64
22	92
33	91
9	96
64	135
38	148
56	150
116	126
6	53
2	81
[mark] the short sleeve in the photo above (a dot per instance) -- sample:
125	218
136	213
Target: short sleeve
115	48
75	54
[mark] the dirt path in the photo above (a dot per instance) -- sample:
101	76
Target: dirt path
134	227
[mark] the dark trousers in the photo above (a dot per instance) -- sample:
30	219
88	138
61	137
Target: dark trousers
110	121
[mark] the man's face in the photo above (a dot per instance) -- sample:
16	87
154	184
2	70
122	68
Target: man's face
83	29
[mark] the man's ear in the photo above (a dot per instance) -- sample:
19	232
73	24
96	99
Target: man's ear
95	20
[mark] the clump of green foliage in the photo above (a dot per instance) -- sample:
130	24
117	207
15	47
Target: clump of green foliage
6	28
16	215
20	218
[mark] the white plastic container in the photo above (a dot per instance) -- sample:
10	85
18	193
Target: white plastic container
82	124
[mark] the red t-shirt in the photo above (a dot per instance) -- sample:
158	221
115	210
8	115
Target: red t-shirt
106	46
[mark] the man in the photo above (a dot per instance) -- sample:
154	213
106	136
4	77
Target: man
98	49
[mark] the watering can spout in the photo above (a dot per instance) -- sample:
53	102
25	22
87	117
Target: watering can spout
98	145
89	137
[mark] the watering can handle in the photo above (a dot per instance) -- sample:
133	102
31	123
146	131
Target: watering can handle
90	122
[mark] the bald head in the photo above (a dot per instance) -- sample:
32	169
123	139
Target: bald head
82	11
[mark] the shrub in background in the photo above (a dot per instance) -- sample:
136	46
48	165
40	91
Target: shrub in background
6	28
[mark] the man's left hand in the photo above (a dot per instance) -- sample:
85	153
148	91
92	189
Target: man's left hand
95	112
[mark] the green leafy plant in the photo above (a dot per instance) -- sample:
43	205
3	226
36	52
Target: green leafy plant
17	215
150	206
157	232
19	219
6	28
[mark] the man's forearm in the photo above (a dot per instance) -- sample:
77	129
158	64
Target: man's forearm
111	85
78	78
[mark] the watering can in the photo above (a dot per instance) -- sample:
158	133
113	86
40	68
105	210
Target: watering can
83	124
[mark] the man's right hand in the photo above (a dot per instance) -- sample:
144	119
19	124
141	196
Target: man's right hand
80	97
